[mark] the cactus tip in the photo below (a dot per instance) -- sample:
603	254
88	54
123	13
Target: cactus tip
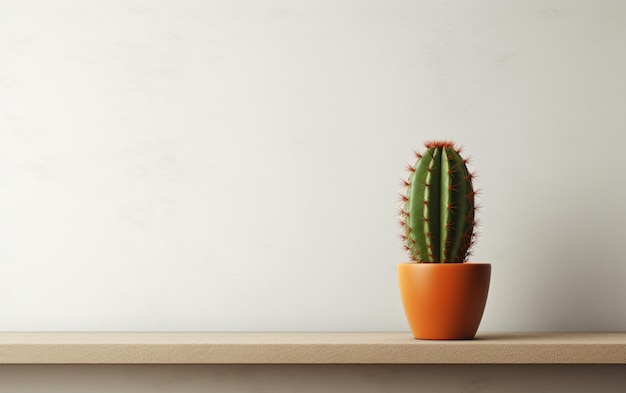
443	143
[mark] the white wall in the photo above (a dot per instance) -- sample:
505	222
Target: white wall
234	165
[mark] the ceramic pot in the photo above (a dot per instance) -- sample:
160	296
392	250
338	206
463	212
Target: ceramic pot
444	301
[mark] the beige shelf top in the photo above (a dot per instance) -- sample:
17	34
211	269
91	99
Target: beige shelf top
307	348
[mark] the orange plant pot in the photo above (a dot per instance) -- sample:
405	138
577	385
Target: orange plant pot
444	301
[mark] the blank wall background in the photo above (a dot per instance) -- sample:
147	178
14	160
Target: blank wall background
234	165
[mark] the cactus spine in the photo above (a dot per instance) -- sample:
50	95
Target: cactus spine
438	210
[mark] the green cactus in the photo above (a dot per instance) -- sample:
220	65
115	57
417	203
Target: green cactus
438	213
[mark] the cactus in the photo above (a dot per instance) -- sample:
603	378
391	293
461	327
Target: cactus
438	210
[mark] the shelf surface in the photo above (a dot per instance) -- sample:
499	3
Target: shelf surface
307	348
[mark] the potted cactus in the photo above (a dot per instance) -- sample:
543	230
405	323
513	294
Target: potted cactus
443	295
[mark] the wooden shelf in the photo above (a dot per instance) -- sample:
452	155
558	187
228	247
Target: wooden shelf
307	348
